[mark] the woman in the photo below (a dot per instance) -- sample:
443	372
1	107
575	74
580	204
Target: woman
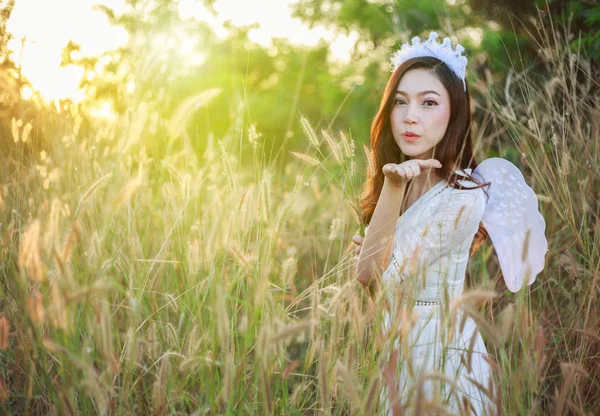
423	209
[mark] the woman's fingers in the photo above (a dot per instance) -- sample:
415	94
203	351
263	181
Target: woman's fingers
409	169
390	168
358	240
429	163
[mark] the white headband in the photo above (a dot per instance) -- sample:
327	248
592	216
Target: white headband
431	47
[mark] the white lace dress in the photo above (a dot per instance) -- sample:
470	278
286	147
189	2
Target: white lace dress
428	265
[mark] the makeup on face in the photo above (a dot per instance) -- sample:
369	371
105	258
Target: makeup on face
410	137
420	112
429	99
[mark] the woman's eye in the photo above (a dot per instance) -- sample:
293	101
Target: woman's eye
398	101
430	103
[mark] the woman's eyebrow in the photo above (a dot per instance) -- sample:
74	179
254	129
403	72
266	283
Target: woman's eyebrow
419	93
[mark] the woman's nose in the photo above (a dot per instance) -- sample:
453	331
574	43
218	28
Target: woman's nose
410	116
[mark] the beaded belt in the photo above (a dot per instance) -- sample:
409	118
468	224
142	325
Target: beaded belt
427	302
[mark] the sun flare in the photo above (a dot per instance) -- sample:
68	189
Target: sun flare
42	29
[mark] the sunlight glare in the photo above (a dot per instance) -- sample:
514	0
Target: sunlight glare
474	33
47	29
103	111
26	93
276	23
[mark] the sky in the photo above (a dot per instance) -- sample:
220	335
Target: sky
42	28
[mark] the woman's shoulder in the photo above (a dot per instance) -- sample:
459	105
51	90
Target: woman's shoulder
466	192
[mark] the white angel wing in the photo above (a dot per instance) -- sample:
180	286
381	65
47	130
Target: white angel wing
513	222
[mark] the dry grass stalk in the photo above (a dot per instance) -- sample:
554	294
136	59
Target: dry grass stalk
99	288
229	377
347	145
350	384
4	333
370	161
58	317
333	146
222	316
52	227
312	136
324	378
91	382
265	195
458	217
297	394
464	303
506	323
159	394
128	190
187	109
569	371
130	348
91	189
306	158
14	126
372	396
289	369
65	404
3	392
291	331
106	336
35	307
73	237
30	256
389	376
243	259
226	166
422	404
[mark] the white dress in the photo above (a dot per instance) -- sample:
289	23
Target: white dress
428	264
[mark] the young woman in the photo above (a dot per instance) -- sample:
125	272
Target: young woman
424	208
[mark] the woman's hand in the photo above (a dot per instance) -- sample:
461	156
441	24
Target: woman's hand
358	240
401	173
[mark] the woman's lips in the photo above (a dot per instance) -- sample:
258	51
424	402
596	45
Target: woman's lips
410	137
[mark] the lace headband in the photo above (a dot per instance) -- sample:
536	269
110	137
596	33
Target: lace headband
431	47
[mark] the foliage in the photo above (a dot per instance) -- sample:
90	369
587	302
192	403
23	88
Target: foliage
249	76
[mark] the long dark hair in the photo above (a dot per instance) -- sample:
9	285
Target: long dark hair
454	151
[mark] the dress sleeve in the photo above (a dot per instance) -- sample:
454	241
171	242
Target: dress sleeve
450	223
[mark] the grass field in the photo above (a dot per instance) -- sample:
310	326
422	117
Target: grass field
139	278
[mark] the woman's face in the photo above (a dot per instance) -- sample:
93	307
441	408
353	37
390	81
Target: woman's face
421	108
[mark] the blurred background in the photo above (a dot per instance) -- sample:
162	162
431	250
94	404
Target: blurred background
271	60
179	184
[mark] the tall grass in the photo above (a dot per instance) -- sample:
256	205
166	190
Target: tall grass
550	115
554	121
139	281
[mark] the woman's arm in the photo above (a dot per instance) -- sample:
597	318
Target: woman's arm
385	216
380	232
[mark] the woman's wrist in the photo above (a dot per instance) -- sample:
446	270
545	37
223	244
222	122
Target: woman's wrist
396	186
392	192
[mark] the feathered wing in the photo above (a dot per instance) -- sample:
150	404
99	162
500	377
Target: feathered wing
513	222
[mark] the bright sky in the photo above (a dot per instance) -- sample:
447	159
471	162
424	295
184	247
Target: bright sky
47	27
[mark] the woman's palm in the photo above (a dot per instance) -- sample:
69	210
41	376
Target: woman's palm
405	171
